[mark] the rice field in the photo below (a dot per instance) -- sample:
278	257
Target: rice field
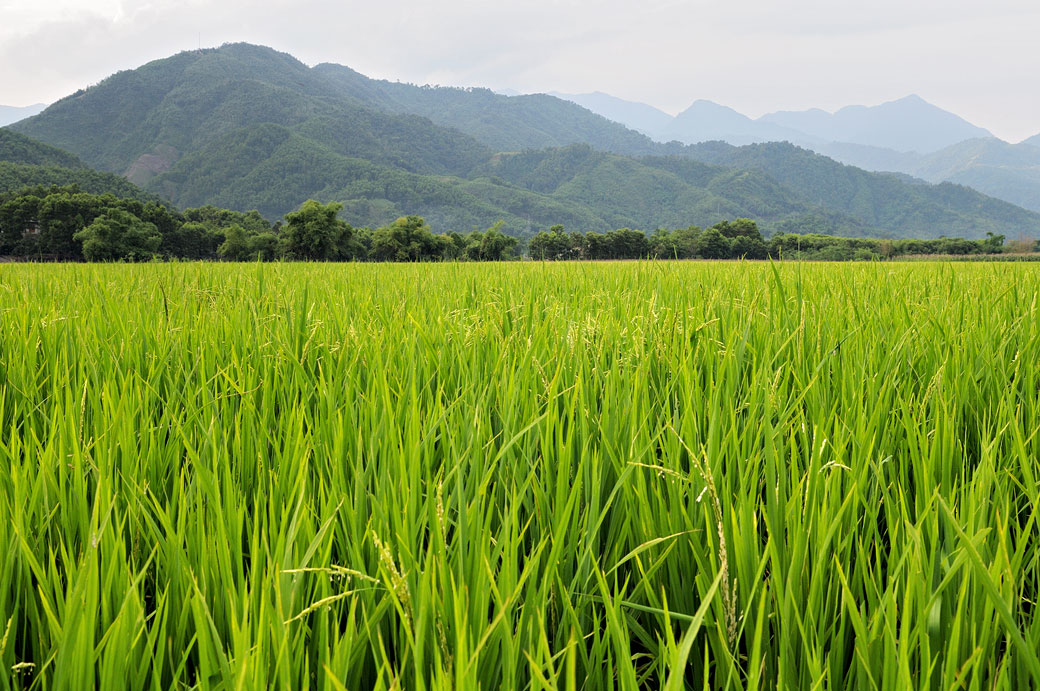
520	476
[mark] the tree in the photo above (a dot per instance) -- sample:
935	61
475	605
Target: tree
741	227
491	246
244	245
712	244
743	246
313	232
993	244
117	234
192	241
626	243
16	217
408	239
554	244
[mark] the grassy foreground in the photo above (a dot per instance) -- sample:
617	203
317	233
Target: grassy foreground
520	476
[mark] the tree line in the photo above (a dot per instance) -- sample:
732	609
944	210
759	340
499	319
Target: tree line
69	224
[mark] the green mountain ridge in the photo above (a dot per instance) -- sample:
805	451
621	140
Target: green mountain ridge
25	163
248	127
17	148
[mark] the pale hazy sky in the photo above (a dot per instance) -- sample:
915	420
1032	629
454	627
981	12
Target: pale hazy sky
979	59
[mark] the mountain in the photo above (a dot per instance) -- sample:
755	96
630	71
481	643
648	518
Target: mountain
1032	141
140	122
637	116
248	127
908	124
10	114
707	121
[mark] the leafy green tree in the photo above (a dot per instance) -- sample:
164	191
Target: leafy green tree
245	245
454	245
17	216
743	246
741	227
993	244
61	215
192	240
712	244
628	244
408	239
554	244
117	234
493	245
314	233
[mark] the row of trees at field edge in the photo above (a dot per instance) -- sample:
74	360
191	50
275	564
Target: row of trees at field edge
66	223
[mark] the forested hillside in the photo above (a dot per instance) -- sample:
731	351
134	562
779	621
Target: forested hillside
878	200
17	148
25	163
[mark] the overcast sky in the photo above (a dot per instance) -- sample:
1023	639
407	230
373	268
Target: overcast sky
976	58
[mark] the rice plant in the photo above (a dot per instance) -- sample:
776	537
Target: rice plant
523	476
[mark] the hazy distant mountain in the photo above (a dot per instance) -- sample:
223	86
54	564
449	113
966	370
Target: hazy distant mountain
631	114
248	127
707	121
908	124
9	114
1032	141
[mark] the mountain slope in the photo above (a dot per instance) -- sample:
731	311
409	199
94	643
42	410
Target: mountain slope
1010	172
907	210
504	123
26	163
637	116
17	148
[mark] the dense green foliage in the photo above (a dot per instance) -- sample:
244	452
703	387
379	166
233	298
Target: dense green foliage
246	127
741	239
117	234
54	222
640	475
65	223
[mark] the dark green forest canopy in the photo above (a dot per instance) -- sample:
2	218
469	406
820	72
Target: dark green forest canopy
246	127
